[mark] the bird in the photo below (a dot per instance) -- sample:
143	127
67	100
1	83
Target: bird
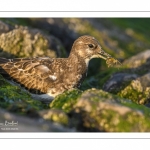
45	78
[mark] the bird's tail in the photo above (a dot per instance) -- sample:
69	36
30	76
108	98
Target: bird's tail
3	60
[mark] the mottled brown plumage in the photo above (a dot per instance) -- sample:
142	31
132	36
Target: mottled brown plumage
47	77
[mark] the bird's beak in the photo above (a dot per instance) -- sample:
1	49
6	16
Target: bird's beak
110	61
104	55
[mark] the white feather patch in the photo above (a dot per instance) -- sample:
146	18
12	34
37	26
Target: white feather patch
87	61
53	77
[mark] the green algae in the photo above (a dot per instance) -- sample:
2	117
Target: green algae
66	100
111	121
14	99
135	93
131	121
107	112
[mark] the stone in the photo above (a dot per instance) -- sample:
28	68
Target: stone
4	27
97	110
26	124
118	81
28	42
137	60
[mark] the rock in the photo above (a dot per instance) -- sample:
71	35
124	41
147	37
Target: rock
26	124
118	81
98	111
57	27
138	90
55	115
14	99
137	60
130	86
27	42
134	81
66	100
101	111
21	107
145	80
4	28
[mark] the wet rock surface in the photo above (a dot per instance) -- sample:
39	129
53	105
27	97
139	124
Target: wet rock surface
110	99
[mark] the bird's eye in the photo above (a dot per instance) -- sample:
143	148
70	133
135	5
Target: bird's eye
90	45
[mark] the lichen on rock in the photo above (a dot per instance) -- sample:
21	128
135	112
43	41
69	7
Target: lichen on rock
28	42
136	91
101	111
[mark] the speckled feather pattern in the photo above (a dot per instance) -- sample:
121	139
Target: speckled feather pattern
53	75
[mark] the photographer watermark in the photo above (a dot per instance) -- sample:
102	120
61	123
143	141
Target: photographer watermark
9	125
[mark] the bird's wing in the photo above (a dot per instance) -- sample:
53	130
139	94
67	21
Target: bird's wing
34	74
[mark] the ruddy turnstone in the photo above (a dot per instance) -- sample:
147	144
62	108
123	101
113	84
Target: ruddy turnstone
47	77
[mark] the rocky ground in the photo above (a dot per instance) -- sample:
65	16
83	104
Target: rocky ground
110	99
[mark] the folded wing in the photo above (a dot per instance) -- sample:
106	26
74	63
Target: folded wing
34	74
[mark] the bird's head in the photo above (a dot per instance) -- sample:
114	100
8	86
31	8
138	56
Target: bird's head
87	47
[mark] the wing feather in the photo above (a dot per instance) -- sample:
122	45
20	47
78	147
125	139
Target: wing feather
31	73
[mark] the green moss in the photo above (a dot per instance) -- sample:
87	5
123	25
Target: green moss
131	121
55	115
106	112
111	121
135	92
14	99
66	100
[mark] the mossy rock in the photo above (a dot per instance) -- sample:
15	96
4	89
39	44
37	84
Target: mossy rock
16	100
101	111
66	100
134	80
136	92
55	115
28	42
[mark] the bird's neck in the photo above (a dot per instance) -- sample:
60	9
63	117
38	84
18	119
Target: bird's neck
79	58
80	62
